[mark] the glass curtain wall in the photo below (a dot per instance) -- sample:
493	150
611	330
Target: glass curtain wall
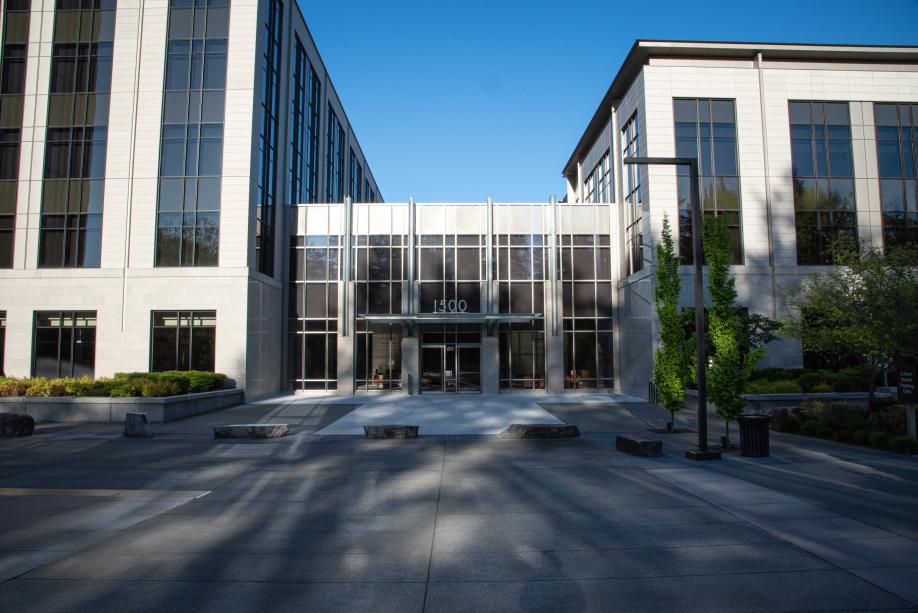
379	268
355	178
304	135
191	146
183	340
77	134
823	179
634	212
268	138
520	265
313	312
64	344
334	158
585	272
897	158
450	272
706	130
597	187
14	50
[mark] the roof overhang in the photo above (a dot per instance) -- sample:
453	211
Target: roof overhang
643	50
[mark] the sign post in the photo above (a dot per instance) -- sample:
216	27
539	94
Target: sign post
908	395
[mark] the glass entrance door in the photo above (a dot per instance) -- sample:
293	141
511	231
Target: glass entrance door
450	368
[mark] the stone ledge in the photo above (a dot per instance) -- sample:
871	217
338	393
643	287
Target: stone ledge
251	431
390	431
540	431
641	447
114	409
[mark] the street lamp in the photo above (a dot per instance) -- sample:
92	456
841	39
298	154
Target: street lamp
702	453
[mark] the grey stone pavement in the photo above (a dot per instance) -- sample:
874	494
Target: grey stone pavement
91	521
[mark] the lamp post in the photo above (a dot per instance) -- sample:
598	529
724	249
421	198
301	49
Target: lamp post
702	452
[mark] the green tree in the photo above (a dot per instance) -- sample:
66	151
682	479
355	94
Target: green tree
672	366
865	306
734	354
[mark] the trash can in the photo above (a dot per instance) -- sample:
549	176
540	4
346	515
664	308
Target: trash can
753	435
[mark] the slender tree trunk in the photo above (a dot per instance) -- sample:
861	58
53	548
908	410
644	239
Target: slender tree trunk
672	419
726	434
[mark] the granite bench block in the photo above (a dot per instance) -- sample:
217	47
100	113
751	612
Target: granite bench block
639	446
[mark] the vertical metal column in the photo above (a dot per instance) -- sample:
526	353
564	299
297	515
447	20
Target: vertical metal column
346	264
553	263
489	264
412	255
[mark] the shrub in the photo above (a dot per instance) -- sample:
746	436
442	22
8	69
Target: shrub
776	374
808	381
843	436
809	428
879	440
834	415
853	379
785	420
11	386
862	436
781	386
903	444
891	419
822	388
129	384
163	387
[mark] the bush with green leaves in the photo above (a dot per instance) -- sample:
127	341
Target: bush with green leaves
903	444
764	386
135	384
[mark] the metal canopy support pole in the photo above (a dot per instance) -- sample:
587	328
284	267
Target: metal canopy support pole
412	259
702	453
489	270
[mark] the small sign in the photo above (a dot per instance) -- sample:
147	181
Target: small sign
907	391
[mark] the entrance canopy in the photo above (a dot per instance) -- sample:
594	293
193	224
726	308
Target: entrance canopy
412	319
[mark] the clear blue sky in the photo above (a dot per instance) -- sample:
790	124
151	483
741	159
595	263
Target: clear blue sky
455	100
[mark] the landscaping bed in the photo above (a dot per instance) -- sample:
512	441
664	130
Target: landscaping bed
884	427
163	396
125	385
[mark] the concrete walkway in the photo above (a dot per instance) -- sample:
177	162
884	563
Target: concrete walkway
452	413
90	521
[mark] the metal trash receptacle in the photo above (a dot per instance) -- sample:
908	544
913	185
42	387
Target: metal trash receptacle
754	435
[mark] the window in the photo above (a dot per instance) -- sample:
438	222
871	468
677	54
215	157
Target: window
634	211
823	179
313	313
355	178
379	356
597	187
2	340
77	135
191	142
270	110
183	340
706	131
450	267
585	271
12	86
334	159
64	344
369	195
304	139
897	158
520	269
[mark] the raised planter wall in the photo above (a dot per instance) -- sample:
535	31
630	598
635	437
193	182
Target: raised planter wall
112	410
762	403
